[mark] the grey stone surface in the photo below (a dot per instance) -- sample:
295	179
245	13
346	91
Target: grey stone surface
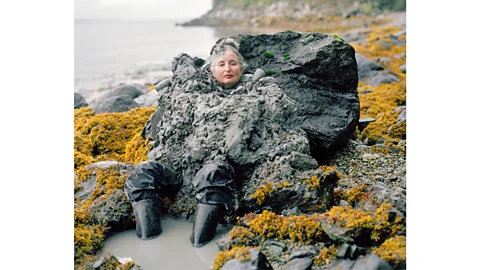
298	264
257	261
121	103
79	101
372	73
161	85
147	100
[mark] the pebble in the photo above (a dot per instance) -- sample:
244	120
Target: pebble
369	156
359	165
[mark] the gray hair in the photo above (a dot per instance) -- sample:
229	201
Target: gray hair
221	47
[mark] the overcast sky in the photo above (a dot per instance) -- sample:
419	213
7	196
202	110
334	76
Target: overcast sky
143	9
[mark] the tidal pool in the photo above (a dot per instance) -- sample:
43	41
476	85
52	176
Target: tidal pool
171	250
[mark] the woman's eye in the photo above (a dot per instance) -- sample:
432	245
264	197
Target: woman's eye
233	63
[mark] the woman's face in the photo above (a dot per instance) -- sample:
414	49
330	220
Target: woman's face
227	69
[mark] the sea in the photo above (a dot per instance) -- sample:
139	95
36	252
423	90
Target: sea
110	53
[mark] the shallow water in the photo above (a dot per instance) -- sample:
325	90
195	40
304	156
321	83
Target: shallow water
171	250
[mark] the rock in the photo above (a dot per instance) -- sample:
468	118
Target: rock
122	167
342	234
402	116
400	109
302	162
257	261
369	262
384	44
291	212
350	251
365	92
363	123
131	90
113	211
259	73
399	42
400	33
401	56
369	156
380	78
321	71
372	73
343	203
111	262
147	100
246	78
381	193
163	84
88	186
225	243
267	132
198	61
403	68
275	248
343	251
79	101
121	103
304	252
298	264
384	61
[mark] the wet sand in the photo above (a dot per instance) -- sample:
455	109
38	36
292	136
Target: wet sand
171	250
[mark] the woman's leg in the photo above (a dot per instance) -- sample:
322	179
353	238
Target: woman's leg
215	194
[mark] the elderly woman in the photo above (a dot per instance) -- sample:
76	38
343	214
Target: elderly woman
214	183
226	63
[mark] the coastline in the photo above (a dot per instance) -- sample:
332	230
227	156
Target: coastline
372	150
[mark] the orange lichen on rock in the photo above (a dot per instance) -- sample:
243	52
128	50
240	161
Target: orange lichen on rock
87	240
302	228
379	128
312	182
326	169
374	49
242	235
393	250
384	98
325	256
352	196
110	136
240	253
262	192
378	223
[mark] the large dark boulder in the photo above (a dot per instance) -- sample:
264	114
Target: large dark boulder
317	71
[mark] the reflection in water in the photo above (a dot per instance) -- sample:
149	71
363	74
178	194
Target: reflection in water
171	250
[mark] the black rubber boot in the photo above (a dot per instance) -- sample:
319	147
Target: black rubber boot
205	224
147	218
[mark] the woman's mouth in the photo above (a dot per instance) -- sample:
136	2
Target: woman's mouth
228	76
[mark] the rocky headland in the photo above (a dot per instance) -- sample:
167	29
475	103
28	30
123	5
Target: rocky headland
316	131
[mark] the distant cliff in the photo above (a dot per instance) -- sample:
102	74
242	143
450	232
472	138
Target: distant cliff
262	12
